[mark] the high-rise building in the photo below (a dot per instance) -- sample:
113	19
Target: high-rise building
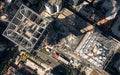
49	8
53	6
58	5
75	2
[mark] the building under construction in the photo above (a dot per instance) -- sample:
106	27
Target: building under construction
97	49
26	28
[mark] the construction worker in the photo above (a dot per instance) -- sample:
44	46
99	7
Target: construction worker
111	8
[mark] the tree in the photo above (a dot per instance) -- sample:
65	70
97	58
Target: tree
118	51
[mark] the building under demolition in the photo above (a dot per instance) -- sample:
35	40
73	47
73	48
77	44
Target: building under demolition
26	28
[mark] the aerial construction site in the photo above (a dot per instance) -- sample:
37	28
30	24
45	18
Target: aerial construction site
60	37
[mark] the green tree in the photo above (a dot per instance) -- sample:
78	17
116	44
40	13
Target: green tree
118	51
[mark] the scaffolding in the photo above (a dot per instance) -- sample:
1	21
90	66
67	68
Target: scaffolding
26	28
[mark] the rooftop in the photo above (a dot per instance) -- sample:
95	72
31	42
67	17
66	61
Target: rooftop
20	69
97	49
56	2
31	64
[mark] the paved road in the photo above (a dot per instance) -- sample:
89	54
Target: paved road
52	62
